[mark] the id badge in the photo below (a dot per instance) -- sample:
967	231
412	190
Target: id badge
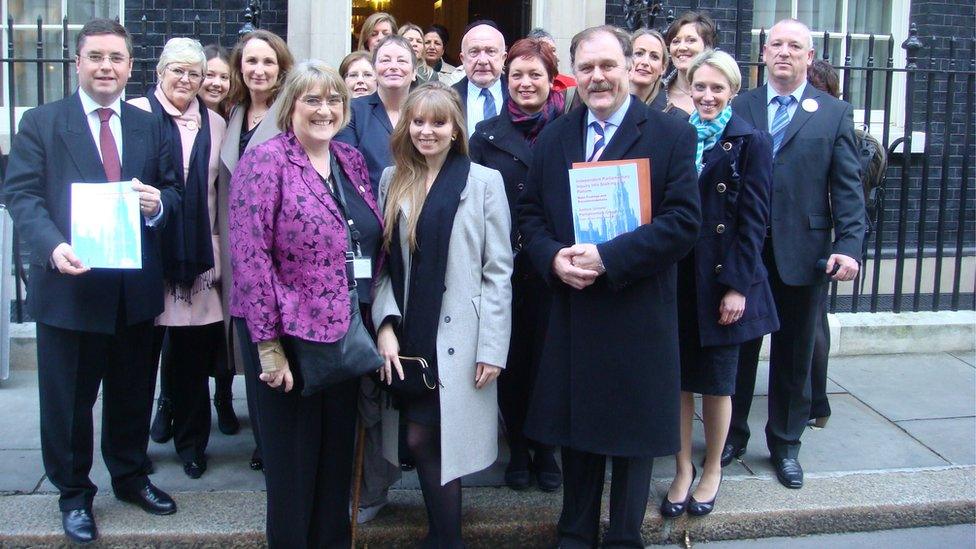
362	267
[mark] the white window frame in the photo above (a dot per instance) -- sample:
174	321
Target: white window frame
5	88
900	10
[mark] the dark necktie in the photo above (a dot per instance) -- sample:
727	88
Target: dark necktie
601	141
110	151
490	110
780	120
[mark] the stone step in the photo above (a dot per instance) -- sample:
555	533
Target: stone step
748	507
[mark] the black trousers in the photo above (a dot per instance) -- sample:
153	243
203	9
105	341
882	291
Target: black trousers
790	358
70	367
530	298
819	405
584	475
249	356
307	443
189	355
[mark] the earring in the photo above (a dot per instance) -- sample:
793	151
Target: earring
454	137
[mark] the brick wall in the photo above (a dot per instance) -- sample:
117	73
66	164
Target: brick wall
218	19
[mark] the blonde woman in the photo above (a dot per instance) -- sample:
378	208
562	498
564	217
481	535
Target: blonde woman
415	37
650	64
375	28
445	295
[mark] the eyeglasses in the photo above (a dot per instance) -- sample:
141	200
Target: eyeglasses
179	73
98	58
316	102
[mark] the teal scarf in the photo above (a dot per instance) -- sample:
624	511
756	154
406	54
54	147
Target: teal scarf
708	132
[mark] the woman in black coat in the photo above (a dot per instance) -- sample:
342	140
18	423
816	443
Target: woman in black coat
505	143
722	284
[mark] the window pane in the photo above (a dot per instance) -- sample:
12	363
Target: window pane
869	16
26	11
765	13
25	74
834	53
821	15
859	78
80	11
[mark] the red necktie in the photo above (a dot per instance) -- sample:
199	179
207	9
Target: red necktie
110	151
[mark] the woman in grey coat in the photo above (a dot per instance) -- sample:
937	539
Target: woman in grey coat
444	295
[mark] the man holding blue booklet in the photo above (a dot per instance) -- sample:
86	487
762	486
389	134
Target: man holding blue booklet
609	377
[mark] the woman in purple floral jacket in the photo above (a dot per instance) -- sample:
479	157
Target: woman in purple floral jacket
290	199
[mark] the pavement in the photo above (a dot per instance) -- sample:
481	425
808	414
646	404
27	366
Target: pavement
898	452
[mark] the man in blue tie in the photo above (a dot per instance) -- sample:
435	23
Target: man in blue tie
610	356
816	194
483	90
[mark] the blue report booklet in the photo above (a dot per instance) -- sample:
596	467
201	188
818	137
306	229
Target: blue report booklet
609	198
106	225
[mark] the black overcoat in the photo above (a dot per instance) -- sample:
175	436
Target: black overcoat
609	378
734	187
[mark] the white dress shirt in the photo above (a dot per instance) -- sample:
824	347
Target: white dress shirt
772	105
90	106
476	103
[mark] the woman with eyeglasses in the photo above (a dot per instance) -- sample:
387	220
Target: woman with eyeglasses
299	203
190	334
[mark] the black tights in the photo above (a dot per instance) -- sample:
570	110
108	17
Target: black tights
443	502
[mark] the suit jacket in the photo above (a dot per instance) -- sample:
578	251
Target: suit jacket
816	184
289	245
54	148
476	326
369	130
610	361
734	187
462	88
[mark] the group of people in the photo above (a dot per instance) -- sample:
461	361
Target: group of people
292	211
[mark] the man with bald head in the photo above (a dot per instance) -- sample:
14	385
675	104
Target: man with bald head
816	194
483	89
608	375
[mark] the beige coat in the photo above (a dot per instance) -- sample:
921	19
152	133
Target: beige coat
228	162
478	301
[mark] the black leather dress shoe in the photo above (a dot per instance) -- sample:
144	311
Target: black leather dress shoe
519	479
79	525
194	469
151	499
789	472
547	473
731	451
701	508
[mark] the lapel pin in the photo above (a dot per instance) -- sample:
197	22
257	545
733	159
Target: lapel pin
810	105
191	125
727	146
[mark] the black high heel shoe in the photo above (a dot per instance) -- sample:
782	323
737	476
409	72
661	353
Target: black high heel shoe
701	508
671	509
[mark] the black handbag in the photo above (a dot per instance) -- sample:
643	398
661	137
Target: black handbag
325	364
418	380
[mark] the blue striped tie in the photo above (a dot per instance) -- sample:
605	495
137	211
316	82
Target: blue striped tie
489	107
600	142
780	120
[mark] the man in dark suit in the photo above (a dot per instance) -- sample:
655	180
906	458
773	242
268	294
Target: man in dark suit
815	190
609	384
93	325
483	90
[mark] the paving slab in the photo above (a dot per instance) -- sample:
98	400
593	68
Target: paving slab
969	357
952	439
762	379
20	471
904	387
19	413
856	439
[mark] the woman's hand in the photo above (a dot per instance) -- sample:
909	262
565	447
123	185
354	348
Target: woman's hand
485	374
731	308
389	348
274	365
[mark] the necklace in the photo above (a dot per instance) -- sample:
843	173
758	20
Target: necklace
257	118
